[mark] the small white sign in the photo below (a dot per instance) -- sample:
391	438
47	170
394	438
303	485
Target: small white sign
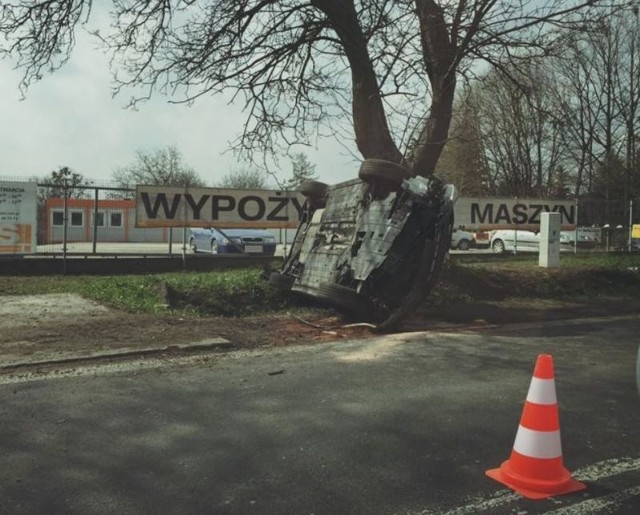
18	217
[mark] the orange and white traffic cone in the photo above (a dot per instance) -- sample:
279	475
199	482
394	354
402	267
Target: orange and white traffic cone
535	468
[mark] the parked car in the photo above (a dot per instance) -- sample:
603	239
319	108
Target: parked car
462	240
232	241
373	246
509	240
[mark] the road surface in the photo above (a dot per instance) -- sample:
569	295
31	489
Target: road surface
402	424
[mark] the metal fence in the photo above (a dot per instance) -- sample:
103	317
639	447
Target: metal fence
611	219
99	219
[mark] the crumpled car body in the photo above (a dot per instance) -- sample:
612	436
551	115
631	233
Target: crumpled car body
371	247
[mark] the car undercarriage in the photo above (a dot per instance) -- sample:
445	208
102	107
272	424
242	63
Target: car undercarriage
371	247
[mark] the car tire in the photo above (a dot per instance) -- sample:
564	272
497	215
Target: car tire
373	170
316	192
281	281
192	246
314	189
382	176
464	244
214	247
497	247
344	298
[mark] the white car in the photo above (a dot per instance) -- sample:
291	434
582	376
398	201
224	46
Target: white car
511	240
462	240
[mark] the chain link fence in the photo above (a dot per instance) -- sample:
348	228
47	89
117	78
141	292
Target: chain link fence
612	220
100	219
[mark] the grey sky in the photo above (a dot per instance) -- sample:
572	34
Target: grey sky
70	119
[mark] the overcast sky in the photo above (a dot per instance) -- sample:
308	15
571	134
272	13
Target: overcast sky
70	119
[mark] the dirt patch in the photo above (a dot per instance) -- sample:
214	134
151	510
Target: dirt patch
49	309
38	327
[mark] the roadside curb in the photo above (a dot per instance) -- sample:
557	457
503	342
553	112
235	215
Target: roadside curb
127	352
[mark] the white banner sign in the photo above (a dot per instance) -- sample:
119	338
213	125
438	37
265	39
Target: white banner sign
169	206
18	217
485	214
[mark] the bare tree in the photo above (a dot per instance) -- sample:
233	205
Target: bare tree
597	102
463	161
521	139
243	178
299	65
161	166
64	182
301	170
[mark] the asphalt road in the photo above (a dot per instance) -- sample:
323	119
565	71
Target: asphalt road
406	424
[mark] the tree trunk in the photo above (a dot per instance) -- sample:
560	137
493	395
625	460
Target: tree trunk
439	55
373	137
436	129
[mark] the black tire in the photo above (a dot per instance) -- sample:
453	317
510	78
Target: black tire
388	172
316	192
464	244
344	298
192	246
314	189
214	247
497	247
281	281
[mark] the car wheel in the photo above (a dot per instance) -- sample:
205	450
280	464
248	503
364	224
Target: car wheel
214	247
372	170
192	246
313	189
464	244
497	246
316	192
344	298
382	176
281	281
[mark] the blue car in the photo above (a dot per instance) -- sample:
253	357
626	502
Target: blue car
232	241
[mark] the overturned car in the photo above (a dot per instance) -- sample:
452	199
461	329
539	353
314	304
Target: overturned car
371	247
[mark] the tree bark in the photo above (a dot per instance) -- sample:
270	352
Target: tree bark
372	134
439	51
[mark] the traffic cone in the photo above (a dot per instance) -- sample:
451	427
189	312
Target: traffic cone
535	468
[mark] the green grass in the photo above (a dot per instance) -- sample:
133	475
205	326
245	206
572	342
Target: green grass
580	275
235	292
467	278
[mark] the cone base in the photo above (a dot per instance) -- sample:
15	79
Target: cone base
535	488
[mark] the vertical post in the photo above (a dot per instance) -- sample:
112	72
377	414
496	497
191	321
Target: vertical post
95	220
629	240
284	248
65	192
575	235
549	256
184	232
